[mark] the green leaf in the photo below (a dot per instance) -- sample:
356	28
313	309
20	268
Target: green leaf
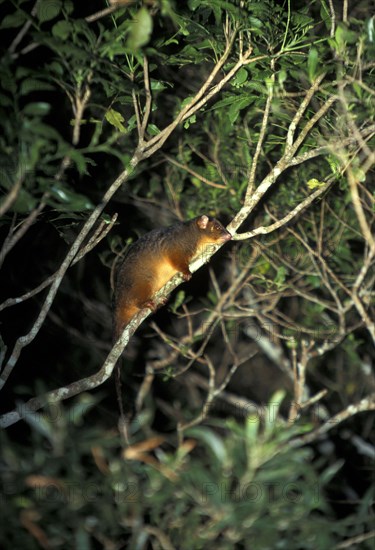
141	30
84	403
178	301
280	276
38	422
41	108
314	183
272	411
34	85
48	9
314	281
62	30
24	203
191	120
13	20
252	429
158	86
235	108
153	130
224	102
115	119
312	63
359	174
344	36
39	128
5	101
69	200
214	442
331	471
240	78
282	76
370	27
80	161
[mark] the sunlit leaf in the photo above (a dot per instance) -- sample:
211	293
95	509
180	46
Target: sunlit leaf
141	30
116	119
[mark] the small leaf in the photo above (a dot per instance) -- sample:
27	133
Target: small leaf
24	203
153	130
280	276
69	200
116	119
38	422
282	76
80	161
48	9
251	430
236	107
214	442
359	174
179	300
331	471
62	30
240	78
314	183
141	30
272	411
40	108
34	85
263	267
344	36
312	63
191	120
371	29
314	281
13	20
82	406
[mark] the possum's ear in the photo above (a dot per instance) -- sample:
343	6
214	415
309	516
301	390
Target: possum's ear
202	222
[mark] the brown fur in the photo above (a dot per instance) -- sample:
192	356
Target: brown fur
155	258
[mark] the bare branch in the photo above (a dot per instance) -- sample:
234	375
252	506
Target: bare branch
301	111
13	238
9	199
23	341
102	13
333	18
262	134
193	172
292	214
23	31
366	404
99	234
146	114
79	386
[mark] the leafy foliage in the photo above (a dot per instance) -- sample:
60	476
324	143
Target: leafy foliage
243	487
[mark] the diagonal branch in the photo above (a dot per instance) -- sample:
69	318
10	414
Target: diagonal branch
301	111
366	404
292	214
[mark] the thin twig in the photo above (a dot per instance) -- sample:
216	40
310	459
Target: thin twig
23	31
366	404
286	219
193	172
9	199
333	18
102	230
301	110
262	134
14	237
147	111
